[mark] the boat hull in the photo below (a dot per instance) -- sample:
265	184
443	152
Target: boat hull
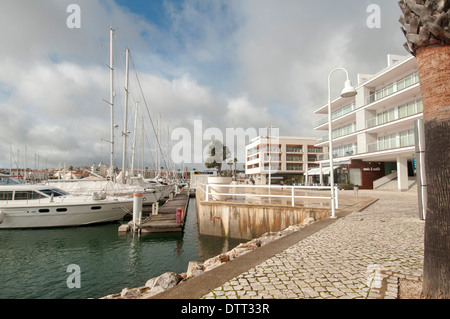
63	215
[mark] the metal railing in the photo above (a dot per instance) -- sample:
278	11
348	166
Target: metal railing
209	193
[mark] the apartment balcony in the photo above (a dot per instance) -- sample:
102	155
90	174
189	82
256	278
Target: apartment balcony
393	88
396	113
294	158
342	151
336	114
252	161
339	132
293	149
273	167
294	167
393	141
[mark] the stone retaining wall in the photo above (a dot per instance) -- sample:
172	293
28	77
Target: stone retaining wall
246	221
168	280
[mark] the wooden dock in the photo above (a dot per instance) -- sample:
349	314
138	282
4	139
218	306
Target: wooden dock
166	219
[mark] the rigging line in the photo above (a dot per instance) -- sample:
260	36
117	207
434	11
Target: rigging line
151	153
146	106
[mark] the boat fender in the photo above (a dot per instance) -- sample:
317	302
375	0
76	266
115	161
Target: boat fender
2	217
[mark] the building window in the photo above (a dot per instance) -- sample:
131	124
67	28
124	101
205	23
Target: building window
313	149
410	108
385	142
344	150
294	148
294	167
294	158
407	138
272	167
343	130
273	148
395	113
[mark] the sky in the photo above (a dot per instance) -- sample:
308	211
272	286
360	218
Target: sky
223	69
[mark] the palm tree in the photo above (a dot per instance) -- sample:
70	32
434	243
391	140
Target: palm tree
425	24
217	154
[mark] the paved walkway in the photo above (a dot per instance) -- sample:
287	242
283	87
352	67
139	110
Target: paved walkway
361	255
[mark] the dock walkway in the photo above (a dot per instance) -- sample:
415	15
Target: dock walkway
364	253
166	219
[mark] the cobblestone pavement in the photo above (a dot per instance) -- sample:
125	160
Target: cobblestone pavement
360	256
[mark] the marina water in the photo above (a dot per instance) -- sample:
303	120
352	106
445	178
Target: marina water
34	262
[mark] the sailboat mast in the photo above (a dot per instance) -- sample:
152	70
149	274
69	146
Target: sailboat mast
125	133
133	147
159	146
111	100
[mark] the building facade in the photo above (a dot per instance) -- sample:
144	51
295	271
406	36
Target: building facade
282	158
373	132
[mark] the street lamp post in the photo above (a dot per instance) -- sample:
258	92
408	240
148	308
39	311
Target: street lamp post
269	133
348	91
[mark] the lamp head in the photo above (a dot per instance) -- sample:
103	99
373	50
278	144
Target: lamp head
348	90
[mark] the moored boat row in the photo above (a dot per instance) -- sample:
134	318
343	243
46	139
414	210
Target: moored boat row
35	206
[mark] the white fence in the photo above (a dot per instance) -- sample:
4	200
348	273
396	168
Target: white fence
286	189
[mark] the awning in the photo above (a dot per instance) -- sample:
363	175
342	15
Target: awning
316	171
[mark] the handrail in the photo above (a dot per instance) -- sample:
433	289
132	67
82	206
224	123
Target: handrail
207	191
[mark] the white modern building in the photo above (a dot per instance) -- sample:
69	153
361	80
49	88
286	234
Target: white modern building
282	158
373	132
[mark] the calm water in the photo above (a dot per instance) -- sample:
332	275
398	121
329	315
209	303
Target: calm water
33	263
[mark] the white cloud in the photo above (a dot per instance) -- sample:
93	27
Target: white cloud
229	63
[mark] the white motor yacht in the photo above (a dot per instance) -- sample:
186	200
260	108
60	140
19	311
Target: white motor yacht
109	188
36	206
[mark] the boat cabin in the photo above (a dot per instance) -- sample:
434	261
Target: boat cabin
12	189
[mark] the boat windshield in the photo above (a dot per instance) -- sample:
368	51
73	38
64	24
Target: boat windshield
53	191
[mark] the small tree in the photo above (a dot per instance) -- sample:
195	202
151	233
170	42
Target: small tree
217	153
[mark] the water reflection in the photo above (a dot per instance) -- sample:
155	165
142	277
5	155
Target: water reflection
33	263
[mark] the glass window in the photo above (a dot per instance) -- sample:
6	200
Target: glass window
6	195
411	137
22	195
402	111
36	195
294	148
393	139
380	118
390	89
404	138
294	158
391	114
53	191
419	106
381	143
408	81
294	167
411	108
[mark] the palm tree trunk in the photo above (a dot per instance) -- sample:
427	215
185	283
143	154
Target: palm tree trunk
434	74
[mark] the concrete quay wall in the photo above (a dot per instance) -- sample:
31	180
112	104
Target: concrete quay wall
247	220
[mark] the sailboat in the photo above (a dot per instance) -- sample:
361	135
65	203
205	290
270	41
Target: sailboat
114	185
